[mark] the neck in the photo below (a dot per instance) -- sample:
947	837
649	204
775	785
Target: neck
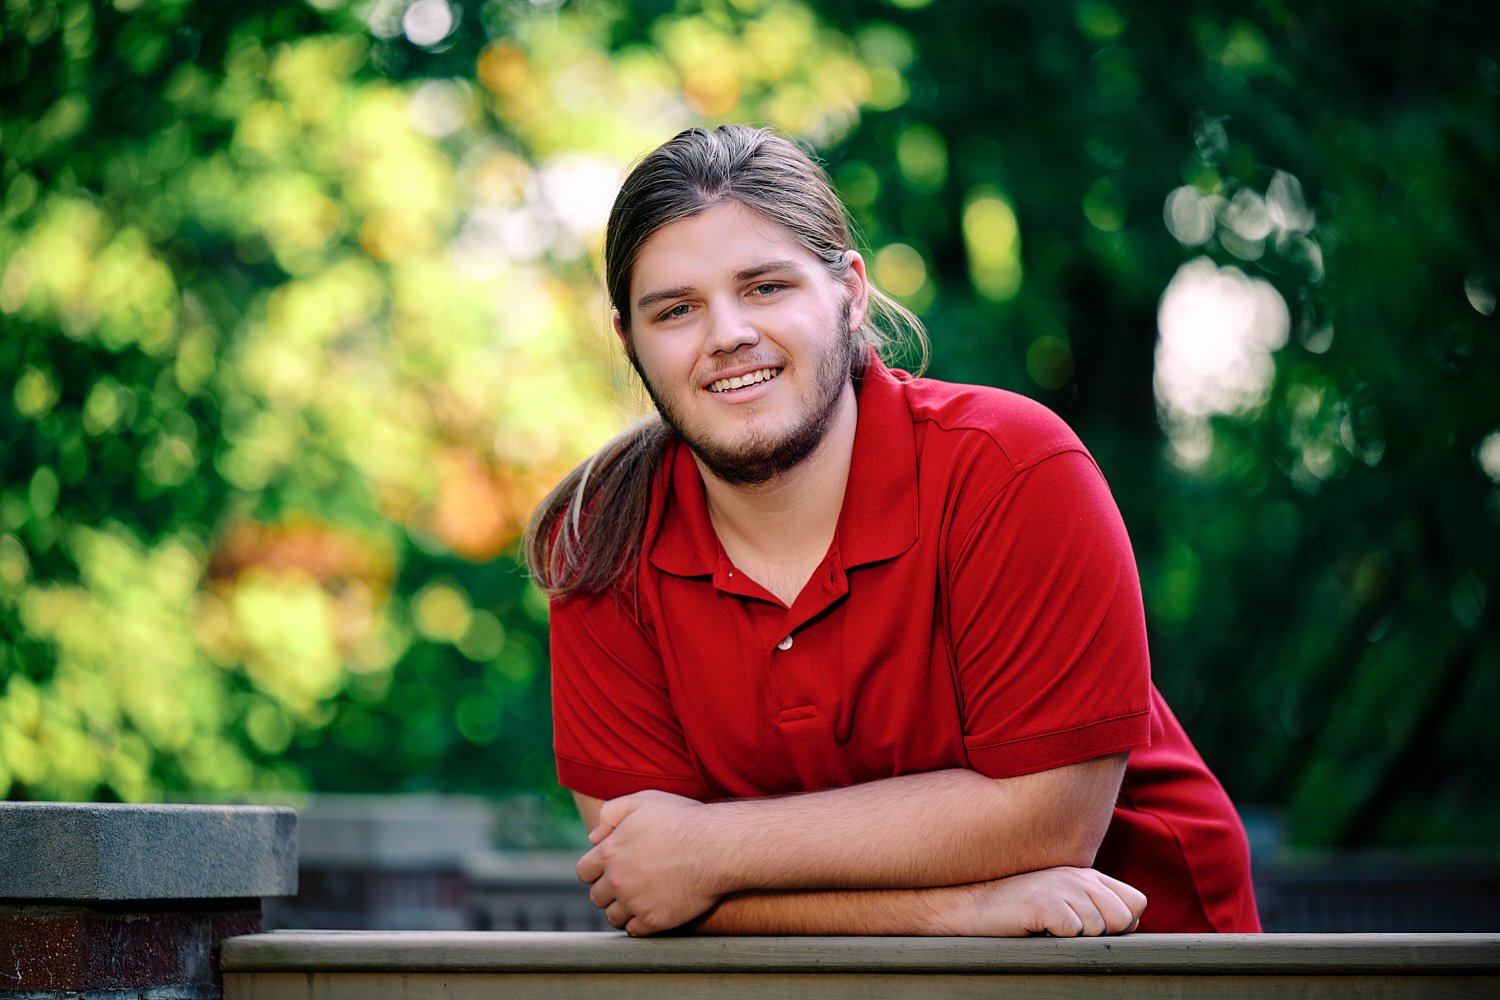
779	530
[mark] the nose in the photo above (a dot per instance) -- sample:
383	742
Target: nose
729	328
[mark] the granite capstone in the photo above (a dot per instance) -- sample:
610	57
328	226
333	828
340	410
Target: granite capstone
110	851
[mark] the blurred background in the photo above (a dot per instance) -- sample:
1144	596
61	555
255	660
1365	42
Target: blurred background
301	316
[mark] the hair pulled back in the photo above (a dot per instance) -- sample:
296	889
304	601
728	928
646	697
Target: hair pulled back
588	532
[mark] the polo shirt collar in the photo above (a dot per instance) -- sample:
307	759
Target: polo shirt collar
878	520
685	543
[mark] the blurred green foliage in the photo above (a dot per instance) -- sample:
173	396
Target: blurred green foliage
300	317
300	321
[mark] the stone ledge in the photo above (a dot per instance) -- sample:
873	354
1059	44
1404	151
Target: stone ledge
112	852
1334	955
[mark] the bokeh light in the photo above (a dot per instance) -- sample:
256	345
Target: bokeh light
1218	329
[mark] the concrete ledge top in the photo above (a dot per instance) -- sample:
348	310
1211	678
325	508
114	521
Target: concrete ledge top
100	851
515	951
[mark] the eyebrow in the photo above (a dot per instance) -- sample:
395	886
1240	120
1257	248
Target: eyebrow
747	274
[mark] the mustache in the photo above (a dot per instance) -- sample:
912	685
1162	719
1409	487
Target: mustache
739	363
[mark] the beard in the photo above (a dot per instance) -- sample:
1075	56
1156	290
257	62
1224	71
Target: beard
760	456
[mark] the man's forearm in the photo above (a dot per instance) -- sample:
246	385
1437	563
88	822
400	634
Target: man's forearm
913	912
939	828
1060	901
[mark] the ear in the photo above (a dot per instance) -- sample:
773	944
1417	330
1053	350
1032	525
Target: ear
619	326
858	284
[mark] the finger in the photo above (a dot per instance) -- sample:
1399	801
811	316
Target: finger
1090	921
1129	894
600	894
636	927
1116	916
601	830
1133	897
611	815
1061	920
590	867
618	914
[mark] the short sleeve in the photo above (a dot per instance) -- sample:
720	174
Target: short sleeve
1046	623
615	730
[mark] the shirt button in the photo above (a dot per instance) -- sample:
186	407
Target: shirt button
785	644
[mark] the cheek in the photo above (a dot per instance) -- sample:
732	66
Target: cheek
662	358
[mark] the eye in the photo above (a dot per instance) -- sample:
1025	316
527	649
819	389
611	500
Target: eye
679	310
767	288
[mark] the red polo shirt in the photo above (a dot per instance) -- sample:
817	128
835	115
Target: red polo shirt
978	608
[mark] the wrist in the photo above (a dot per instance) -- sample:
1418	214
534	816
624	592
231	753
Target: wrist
721	835
951	911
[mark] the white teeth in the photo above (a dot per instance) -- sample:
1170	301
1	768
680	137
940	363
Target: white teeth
740	381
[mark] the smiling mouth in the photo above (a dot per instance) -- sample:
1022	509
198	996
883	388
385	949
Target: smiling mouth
742	381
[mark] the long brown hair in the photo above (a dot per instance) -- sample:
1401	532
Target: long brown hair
588	532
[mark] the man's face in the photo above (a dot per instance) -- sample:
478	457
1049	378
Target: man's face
742	337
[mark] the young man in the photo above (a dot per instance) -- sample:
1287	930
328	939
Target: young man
841	651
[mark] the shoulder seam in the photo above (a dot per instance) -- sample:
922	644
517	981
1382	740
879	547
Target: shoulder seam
1026	460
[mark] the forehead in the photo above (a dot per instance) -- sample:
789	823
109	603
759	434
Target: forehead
714	245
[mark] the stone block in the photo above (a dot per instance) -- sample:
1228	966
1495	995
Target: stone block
114	852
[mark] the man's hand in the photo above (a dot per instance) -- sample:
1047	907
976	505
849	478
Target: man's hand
653	866
1062	902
